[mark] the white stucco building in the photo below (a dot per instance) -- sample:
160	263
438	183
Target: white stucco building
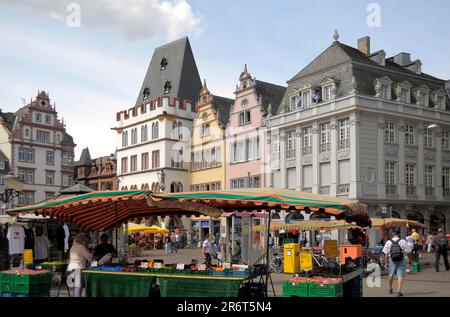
154	136
359	125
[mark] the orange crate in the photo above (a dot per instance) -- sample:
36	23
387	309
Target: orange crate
350	251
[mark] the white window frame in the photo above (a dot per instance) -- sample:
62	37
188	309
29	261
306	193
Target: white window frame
390	131
446	140
410	137
325	136
428	138
410	173
429	176
390	173
344	133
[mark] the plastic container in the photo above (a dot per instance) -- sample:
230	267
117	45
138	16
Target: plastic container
7	286
218	273
326	290
295	289
350	251
8	294
245	273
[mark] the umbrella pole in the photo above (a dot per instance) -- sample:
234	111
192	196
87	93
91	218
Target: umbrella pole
267	253
117	244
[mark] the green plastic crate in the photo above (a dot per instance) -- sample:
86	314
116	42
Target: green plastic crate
295	290
7	278
326	290
33	279
7	286
30	289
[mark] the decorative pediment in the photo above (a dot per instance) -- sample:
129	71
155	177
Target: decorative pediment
328	81
294	92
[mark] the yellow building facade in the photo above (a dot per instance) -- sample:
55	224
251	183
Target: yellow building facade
208	154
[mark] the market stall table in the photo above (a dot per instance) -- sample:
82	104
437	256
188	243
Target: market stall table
135	284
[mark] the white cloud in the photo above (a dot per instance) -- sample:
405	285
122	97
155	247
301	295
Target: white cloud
135	19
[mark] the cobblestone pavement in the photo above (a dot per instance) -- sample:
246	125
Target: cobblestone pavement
427	283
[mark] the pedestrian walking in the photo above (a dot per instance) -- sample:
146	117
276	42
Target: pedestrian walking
424	243
206	249
430	239
441	244
395	251
173	243
166	241
416	238
410	241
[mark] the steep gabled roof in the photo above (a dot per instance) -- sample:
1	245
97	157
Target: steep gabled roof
271	94
85	158
9	119
223	106
67	139
181	71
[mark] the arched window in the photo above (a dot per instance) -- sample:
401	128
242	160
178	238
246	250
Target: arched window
276	216
320	217
180	187
437	221
134	137
294	217
180	130
124	138
155	130
144	133
415	216
164	63
396	215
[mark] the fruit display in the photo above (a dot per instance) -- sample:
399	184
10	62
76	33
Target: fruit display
25	272
54	263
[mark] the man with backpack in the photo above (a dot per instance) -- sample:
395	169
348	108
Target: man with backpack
441	244
395	251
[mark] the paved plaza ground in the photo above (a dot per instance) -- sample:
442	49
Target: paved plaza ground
427	283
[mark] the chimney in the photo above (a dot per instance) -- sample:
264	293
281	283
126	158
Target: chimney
364	45
402	59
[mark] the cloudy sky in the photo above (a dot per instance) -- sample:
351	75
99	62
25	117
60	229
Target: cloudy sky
94	68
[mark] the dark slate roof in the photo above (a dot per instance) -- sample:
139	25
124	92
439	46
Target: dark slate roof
270	93
85	158
67	139
9	118
4	158
76	189
181	71
223	106
341	62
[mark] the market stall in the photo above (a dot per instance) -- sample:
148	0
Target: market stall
100	211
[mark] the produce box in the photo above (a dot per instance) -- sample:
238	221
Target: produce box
8	294
291	289
326	290
7	286
29	289
245	273
7	277
218	273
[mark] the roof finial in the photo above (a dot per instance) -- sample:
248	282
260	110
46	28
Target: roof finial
245	68
336	35
204	84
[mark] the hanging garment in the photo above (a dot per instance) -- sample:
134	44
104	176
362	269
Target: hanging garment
16	238
66	239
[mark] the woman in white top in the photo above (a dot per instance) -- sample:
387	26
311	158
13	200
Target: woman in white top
79	254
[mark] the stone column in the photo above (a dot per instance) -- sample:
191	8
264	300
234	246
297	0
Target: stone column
355	181
401	165
333	156
420	167
283	159
438	168
381	159
315	157
298	157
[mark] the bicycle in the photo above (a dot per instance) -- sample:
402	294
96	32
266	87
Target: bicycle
276	264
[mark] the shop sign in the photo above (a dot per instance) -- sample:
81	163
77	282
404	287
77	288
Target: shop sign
180	266
226	265
202	267
306	262
331	248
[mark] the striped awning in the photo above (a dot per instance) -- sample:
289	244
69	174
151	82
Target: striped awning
100	211
306	225
271	199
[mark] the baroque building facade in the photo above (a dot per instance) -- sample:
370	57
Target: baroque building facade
356	124
39	150
99	173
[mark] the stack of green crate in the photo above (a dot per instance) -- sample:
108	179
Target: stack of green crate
33	284
295	289
38	284
7	282
326	290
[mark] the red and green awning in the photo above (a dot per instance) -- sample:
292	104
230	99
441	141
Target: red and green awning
99	211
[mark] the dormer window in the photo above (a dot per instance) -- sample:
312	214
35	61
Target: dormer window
438	98
306	99
383	88
403	92
422	95
164	63
326	92
167	87
244	85
328	89
146	93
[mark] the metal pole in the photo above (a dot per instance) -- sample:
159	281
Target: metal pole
117	243
232	236
267	253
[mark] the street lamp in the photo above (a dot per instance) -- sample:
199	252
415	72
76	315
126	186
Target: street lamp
162	179
13	187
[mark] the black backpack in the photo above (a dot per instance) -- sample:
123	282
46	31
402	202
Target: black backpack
396	251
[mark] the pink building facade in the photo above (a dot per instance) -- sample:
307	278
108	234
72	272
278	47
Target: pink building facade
245	132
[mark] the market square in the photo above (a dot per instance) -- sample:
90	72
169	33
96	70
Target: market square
157	163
